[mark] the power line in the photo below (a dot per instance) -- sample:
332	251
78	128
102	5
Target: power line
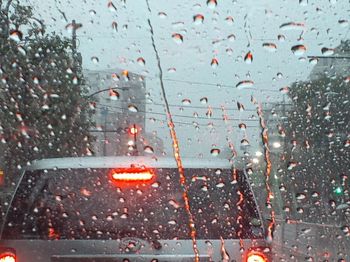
176	115
139	101
333	57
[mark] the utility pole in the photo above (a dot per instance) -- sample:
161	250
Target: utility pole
75	26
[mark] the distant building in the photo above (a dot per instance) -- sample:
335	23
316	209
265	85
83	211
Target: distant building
120	113
337	64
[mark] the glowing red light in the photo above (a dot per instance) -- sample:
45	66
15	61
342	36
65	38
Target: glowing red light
7	257
132	175
133	130
256	257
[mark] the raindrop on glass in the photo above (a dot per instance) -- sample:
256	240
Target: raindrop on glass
204	100
141	61
327	51
162	15
111	6
298	50
133	108
271	47
198	19
215	152
214	63
178	38
245	84
94	59
248	58
148	149
292	26
186	101
212	3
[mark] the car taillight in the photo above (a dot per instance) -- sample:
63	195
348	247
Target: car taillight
132	175
7	257
256	257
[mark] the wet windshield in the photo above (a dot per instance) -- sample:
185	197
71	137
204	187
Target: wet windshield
263	85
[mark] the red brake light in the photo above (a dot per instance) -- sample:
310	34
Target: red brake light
256	257
131	175
7	257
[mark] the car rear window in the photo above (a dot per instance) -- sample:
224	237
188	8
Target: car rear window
87	204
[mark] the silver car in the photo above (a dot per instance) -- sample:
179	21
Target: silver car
133	209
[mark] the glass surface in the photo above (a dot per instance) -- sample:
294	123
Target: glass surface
263	85
89	204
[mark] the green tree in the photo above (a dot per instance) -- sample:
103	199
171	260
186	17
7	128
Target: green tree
318	132
44	110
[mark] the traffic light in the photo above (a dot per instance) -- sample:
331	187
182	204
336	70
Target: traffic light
338	190
133	130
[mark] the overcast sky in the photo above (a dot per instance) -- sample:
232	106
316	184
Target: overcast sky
227	33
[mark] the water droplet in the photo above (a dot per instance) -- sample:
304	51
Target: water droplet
172	222
141	61
115	26
240	106
229	20
300	196
212	3
242	126
220	185
303	2
148	149
248	58
75	80
111	6
178	38
133	108
215	152
92	12
343	22
327	51
198	19
124	216
214	63
281	38
271	47
125	75
292	164
292	26
155	184
171	70
229	51
162	15
94	59
16	35
204	188
113	95
284	90
231	37
35	80
22	50
313	61
298	50
224	255
244	142
186	101
245	84
204	100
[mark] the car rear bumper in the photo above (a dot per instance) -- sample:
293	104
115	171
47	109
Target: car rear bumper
118	250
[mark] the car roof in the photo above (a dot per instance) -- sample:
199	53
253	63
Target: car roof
126	161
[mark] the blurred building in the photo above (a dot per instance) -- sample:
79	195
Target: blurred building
120	113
